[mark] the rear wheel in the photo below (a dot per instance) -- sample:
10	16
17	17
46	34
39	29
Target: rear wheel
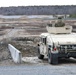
40	56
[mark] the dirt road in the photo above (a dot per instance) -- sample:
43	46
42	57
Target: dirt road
65	67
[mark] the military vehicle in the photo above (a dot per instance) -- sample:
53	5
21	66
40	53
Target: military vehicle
58	42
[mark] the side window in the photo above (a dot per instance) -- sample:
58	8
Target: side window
43	40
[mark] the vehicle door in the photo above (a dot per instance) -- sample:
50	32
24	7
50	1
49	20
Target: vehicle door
43	45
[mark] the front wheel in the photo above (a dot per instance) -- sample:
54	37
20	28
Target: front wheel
52	58
40	56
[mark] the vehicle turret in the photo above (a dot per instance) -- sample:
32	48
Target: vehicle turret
58	27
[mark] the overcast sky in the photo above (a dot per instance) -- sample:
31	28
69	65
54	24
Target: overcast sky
6	3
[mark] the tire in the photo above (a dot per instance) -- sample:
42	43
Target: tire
40	56
52	58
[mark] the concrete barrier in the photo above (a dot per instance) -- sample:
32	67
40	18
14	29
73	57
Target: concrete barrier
15	53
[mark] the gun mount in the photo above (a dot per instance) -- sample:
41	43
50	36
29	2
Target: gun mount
58	27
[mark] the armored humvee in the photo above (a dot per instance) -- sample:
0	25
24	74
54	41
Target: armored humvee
58	42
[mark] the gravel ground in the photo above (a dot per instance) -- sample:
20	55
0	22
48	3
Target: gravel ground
29	53
32	66
27	48
5	56
38	70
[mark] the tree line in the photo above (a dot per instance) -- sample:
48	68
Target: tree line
38	10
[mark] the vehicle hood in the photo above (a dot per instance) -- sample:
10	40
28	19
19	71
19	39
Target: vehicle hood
64	38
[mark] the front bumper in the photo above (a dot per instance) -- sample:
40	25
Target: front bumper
70	54
67	50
